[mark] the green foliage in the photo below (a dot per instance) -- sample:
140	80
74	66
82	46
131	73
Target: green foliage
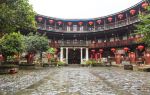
60	63
144	27
11	44
36	43
51	50
16	15
89	62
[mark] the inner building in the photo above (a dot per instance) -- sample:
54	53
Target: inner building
78	40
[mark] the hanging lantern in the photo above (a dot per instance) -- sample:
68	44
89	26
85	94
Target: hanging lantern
51	21
1	57
40	19
113	49
93	50
80	23
140	47
132	12
69	23
98	53
93	42
55	42
59	22
126	49
90	22
144	5
100	50
110	19
120	16
99	21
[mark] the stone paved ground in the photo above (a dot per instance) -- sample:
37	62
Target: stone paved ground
76	81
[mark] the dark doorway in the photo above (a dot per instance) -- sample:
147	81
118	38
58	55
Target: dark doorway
74	56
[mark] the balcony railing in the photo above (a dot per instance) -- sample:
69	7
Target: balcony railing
93	45
117	24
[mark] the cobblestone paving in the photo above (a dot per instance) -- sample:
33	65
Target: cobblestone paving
76	81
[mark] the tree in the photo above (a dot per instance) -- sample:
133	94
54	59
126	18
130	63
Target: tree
144	27
16	15
11	44
36	43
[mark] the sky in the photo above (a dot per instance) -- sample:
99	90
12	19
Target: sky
80	9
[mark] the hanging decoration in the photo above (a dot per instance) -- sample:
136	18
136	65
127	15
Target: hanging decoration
51	21
126	49
101	50
92	50
90	22
145	5
59	22
40	19
132	12
55	42
96	56
93	42
80	23
140	47
99	21
110	19
69	23
113	49
120	16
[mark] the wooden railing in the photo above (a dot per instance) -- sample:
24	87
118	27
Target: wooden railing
94	45
117	24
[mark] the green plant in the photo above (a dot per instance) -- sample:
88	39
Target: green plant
10	45
16	15
36	43
89	62
143	27
60	63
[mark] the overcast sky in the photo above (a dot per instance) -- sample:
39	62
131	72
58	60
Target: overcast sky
79	9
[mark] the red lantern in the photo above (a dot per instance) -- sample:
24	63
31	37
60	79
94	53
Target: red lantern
99	21
1	57
55	42
132	12
51	21
126	49
113	49
93	50
69	23
100	50
80	23
59	22
110	19
120	16
98	53
90	22
140	47
40	19
93	42
145	5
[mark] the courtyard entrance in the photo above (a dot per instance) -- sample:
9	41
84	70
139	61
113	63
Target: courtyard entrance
74	56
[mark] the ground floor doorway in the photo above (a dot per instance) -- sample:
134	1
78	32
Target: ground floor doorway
74	56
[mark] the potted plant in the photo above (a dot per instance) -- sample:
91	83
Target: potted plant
11	45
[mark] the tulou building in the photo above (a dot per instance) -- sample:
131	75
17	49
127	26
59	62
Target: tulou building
110	37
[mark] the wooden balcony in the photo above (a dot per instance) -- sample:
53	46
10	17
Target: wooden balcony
94	45
117	24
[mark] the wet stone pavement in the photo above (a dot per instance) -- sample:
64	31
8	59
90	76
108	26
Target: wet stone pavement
76	81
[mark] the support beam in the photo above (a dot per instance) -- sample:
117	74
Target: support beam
66	55
81	55
61	54
87	54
